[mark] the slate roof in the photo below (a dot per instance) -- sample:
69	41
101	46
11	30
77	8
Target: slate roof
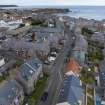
18	31
51	37
8	91
102	73
21	44
71	90
98	36
29	68
47	30
80	43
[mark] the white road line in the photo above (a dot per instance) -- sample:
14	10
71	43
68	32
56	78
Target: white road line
60	75
49	85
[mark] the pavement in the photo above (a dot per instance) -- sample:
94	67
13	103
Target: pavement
55	80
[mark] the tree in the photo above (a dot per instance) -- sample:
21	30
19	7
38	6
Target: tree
33	36
36	22
87	32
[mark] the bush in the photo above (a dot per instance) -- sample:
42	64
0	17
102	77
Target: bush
36	22
21	25
19	63
87	76
95	53
3	77
87	32
90	101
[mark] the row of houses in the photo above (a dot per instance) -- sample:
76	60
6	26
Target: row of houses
27	48
99	93
12	91
90	24
71	92
11	25
36	43
80	49
100	90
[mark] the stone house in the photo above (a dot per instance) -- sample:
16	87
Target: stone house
29	73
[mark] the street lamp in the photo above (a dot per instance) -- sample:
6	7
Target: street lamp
89	69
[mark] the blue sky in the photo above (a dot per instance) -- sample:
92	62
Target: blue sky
53	2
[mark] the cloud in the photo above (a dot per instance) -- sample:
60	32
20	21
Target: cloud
53	2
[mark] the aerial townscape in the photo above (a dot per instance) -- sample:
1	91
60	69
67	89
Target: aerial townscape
51	59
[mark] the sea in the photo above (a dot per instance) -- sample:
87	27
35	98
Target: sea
89	12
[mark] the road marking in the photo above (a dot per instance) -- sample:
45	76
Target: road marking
60	75
49	85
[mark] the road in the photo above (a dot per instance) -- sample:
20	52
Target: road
56	78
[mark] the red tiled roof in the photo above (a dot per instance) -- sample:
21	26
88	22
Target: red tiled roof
73	66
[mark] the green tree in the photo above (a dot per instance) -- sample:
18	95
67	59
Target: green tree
86	32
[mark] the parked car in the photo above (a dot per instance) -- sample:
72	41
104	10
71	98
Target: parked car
53	53
44	96
54	50
52	57
46	62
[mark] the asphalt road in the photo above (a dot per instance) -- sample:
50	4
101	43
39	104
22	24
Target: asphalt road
56	78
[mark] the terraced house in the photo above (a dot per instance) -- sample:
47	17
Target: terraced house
71	92
11	93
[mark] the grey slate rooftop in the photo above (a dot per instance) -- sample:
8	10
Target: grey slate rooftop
8	91
98	36
21	44
47	30
29	68
71	90
102	73
80	43
51	37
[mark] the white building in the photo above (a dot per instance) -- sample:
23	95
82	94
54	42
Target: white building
11	24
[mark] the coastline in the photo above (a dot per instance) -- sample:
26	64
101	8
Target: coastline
3	6
86	12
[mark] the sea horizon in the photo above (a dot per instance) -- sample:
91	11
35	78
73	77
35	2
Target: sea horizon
77	11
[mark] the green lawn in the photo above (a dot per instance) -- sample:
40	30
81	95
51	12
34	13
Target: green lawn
39	87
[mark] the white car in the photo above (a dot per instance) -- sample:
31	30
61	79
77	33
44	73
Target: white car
52	57
53	53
